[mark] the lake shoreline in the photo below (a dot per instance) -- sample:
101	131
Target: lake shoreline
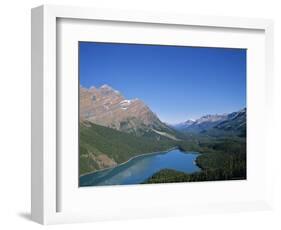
144	154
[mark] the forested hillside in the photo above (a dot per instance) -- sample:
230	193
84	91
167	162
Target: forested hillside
223	159
101	147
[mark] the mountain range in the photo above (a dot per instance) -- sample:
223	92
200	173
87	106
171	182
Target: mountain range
107	107
218	124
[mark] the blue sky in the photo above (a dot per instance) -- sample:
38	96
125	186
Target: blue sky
177	83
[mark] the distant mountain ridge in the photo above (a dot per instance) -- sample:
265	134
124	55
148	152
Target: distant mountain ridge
183	125
231	123
107	107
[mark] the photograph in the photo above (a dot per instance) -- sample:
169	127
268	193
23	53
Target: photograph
151	114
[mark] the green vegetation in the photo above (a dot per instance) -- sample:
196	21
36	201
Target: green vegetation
173	176
222	159
96	140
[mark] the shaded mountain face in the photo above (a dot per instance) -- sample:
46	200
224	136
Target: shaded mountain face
235	124
224	124
107	107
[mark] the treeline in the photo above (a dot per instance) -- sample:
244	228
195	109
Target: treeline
173	176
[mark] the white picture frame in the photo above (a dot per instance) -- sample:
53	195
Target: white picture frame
47	182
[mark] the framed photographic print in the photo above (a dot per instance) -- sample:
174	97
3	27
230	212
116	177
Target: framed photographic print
140	114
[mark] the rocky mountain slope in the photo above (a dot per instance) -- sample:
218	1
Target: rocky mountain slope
107	107
234	124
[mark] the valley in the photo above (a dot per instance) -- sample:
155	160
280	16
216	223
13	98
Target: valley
114	130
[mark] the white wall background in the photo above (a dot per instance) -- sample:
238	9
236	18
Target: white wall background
15	113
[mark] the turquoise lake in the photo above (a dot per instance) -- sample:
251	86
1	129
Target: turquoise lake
140	168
